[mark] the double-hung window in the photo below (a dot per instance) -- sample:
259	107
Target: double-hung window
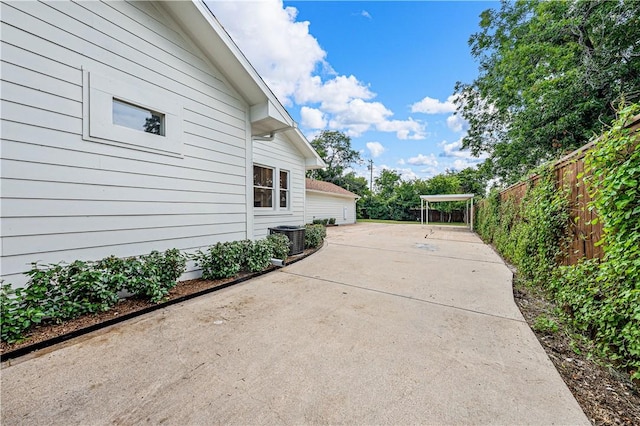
262	186
284	189
271	188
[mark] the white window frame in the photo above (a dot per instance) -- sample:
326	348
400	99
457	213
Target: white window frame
287	189
275	201
99	92
273	187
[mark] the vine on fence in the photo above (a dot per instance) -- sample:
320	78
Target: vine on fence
602	297
599	297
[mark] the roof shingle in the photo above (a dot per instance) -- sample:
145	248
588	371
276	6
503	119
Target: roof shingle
318	185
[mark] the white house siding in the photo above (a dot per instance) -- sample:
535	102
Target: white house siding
326	206
64	197
280	154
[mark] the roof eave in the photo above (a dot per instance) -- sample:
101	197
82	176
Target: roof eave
198	22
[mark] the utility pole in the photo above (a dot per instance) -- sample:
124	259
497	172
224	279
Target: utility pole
370	167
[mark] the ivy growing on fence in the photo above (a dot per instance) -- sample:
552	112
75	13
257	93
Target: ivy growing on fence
600	297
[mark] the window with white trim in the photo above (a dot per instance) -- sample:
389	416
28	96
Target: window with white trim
284	189
263	186
132	113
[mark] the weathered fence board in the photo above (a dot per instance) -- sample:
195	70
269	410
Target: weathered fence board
583	235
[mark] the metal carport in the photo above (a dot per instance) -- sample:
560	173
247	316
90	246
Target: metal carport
426	199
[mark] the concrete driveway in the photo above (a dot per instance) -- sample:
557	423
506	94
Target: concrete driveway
382	326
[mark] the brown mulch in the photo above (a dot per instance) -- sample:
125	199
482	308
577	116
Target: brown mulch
124	307
606	396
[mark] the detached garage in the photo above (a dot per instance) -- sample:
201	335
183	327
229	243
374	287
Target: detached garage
325	200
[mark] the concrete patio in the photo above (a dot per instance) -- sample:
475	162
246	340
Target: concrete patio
387	324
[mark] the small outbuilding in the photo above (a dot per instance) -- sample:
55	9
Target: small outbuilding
325	200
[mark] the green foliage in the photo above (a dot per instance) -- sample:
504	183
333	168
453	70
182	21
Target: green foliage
550	75
530	233
257	255
15	319
599	297
334	148
280	246
60	292
602	298
332	221
314	235
546	325
220	261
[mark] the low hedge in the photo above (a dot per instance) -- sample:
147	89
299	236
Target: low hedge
61	292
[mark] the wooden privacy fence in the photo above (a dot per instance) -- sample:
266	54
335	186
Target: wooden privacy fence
583	235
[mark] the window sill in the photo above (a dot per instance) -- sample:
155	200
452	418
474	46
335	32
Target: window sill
272	212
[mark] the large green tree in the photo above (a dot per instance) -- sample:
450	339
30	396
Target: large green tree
334	148
550	75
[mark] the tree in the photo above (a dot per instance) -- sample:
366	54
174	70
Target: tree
551	73
334	148
356	184
387	182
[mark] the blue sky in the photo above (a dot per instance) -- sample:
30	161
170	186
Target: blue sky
381	72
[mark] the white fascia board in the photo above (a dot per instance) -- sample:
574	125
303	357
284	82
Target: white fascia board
312	159
204	29
333	194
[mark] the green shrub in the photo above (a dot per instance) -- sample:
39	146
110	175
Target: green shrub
258	255
223	260
15	319
280	246
62	292
332	221
314	235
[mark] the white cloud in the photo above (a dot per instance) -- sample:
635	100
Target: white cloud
405	129
366	14
463	158
434	106
456	123
292	63
283	57
423	160
312	118
375	148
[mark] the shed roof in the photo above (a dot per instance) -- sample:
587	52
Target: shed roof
321	186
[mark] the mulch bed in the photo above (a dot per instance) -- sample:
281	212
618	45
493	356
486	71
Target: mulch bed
606	396
45	335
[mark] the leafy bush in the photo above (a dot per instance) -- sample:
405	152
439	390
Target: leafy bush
60	292
223	260
258	255
314	235
280	246
332	221
14	319
324	222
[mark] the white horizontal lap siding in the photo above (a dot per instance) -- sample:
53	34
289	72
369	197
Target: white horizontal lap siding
281	154
65	198
326	206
